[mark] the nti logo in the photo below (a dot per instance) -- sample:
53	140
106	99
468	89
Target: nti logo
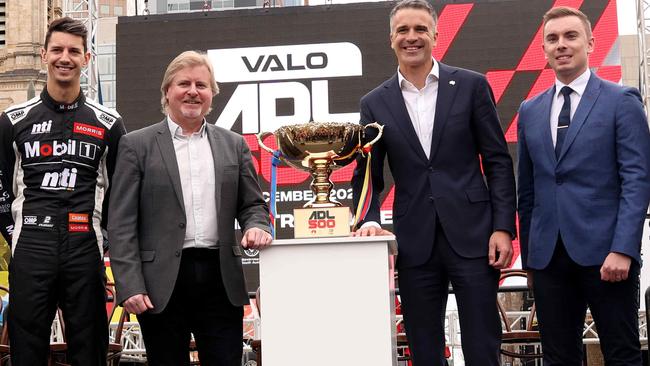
265	76
43	127
56	148
65	179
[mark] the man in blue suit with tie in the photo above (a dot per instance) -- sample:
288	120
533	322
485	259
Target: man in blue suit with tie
454	221
584	187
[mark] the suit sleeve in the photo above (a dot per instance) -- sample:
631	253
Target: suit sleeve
123	221
378	154
496	160
115	134
526	188
7	160
633	156
252	209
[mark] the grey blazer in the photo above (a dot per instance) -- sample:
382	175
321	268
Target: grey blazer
146	224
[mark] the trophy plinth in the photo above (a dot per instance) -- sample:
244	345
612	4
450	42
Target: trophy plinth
320	148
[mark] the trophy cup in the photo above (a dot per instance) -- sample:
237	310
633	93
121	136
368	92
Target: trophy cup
320	148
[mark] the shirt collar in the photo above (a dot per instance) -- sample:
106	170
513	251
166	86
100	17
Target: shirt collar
578	85
177	131
61	107
431	77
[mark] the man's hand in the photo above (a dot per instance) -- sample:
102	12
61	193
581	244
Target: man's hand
137	304
255	238
500	246
371	231
615	268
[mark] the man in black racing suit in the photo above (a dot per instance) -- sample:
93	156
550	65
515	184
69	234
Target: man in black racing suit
57	154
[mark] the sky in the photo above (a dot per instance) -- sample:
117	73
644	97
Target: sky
627	17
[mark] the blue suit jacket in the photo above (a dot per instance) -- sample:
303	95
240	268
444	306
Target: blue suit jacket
449	185
596	194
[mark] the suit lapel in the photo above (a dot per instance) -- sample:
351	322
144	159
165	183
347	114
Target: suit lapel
444	101
580	116
545	112
392	95
215	144
168	154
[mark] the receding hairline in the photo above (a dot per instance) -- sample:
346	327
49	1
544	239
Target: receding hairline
412	4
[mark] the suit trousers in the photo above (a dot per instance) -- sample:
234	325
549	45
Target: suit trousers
564	289
423	291
198	305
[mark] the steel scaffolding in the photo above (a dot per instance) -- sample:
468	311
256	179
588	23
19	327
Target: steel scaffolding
642	23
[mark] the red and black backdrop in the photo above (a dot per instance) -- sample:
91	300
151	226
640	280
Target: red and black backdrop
302	63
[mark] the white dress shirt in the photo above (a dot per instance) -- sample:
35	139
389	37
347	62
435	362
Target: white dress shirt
578	85
196	169
421	105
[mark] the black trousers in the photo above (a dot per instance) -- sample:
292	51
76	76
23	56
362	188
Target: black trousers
198	305
50	268
564	289
423	291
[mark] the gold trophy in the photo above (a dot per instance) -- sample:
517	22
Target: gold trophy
320	148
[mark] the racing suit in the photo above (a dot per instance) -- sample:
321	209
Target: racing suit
56	161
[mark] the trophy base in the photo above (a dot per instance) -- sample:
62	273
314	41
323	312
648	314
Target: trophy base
321	222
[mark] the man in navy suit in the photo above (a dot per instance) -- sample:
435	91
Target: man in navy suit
454	210
584	187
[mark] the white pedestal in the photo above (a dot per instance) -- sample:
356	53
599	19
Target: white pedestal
328	302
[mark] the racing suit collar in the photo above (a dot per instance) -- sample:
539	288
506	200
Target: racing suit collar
62	107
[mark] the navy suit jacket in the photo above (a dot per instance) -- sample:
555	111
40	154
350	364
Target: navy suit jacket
596	194
449	186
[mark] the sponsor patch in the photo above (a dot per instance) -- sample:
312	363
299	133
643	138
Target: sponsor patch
78	217
78	228
37	220
43	127
46	221
6	208
64	180
89	130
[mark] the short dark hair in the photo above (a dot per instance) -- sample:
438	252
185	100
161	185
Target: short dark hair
67	25
413	4
565	11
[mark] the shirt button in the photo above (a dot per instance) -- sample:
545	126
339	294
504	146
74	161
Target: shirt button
559	181
178	253
430	168
181	225
431	199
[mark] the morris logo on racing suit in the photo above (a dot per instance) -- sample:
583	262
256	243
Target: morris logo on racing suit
89	130
66	179
85	150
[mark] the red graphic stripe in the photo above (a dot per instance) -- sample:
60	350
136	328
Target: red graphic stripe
611	73
533	58
450	21
388	201
499	81
543	82
605	33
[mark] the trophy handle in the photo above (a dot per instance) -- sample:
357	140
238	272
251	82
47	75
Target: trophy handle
381	131
262	135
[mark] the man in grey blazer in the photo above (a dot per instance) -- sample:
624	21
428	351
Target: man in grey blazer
173	252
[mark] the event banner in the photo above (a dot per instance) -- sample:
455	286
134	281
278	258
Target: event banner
283	66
